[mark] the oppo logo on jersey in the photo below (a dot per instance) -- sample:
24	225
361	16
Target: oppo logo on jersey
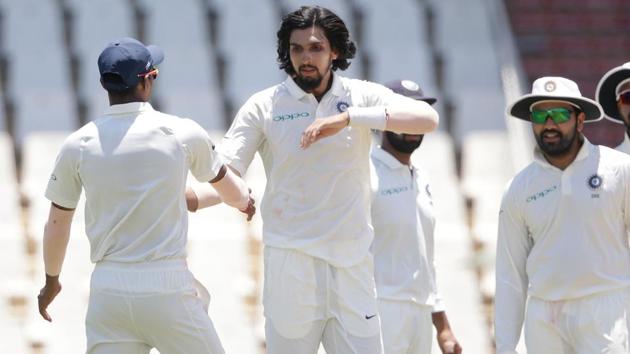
395	190
290	116
542	194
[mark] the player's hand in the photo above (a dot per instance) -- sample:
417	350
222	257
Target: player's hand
448	343
251	208
323	127
47	295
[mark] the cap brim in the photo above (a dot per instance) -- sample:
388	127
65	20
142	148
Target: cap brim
429	100
157	54
520	108
605	93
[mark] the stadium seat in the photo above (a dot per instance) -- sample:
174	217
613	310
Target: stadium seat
471	77
409	56
39	79
250	66
97	23
189	71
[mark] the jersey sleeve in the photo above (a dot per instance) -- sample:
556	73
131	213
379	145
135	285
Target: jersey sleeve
203	161
513	247
244	137
64	186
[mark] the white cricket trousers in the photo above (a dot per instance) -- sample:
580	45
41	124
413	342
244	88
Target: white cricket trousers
136	307
307	301
593	324
407	327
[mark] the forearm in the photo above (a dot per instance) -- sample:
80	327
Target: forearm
200	196
56	237
440	321
416	117
408	116
232	190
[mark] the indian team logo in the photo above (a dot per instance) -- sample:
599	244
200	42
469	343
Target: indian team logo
595	182
342	106
550	86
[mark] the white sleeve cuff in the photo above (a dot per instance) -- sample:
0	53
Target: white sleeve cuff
438	306
368	117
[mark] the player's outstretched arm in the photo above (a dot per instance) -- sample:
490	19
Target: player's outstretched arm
56	236
200	196
411	117
404	116
233	191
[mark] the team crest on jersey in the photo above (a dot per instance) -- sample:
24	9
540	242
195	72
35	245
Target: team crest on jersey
342	106
595	182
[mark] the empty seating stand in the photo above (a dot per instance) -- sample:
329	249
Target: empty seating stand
251	65
471	78
407	57
95	24
579	42
188	81
38	83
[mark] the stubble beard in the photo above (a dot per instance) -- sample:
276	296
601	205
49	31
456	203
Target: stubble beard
560	148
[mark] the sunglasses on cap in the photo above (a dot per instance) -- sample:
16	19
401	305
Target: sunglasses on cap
558	115
624	97
152	74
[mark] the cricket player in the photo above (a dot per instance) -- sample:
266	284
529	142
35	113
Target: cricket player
613	94
563	244
403	247
132	163
313	132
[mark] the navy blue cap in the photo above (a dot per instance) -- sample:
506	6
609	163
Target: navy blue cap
127	58
410	89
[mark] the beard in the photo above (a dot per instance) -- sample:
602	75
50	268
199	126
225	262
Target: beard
398	142
560	147
308	84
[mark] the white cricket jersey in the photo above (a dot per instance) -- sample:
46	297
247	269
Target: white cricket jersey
404	222
133	163
625	145
562	234
317	199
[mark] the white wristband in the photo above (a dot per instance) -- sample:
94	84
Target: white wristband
369	117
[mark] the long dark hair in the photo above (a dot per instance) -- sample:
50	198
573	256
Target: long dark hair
334	28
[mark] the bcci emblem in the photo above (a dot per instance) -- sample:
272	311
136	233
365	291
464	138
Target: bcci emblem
342	106
550	86
595	182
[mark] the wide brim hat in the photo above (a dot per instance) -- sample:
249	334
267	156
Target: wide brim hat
554	89
606	93
410	89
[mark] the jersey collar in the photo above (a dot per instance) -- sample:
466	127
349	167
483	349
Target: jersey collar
583	153
131	107
297	93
